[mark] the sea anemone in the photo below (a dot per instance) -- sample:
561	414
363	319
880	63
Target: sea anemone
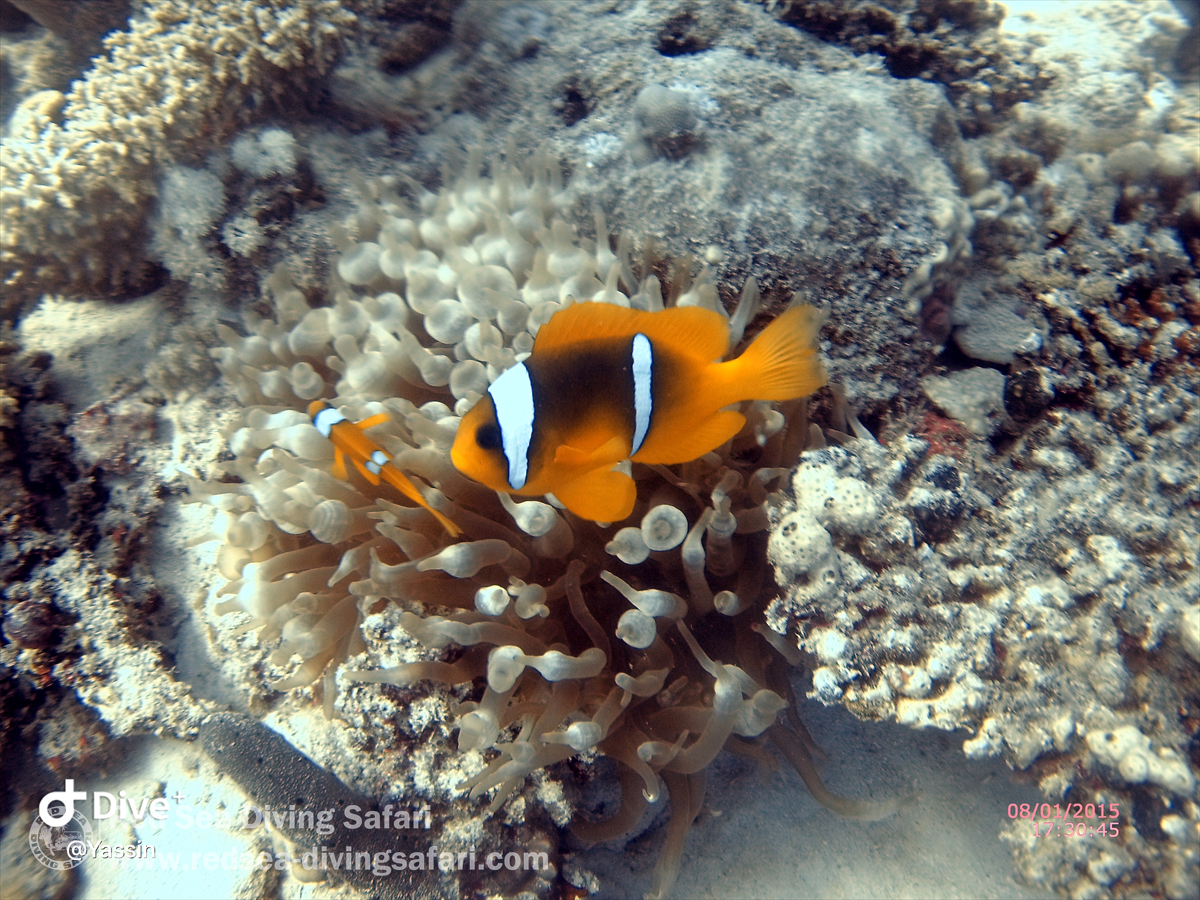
643	643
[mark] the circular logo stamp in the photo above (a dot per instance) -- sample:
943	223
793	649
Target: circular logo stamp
62	847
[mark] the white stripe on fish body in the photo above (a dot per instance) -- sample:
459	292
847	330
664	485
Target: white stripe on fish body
512	395
378	460
326	418
643	397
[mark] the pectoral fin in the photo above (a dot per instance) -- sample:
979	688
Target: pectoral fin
339	464
611	452
373	421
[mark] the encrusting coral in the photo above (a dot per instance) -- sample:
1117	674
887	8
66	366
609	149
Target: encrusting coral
78	169
589	638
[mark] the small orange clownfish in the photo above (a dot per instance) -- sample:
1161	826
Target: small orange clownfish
368	457
605	383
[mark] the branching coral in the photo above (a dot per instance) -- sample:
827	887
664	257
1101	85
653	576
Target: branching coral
584	638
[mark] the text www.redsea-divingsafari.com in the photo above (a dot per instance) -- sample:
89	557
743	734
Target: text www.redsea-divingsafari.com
380	863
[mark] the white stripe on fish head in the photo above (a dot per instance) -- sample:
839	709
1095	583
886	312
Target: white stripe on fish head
512	395
326	418
643	397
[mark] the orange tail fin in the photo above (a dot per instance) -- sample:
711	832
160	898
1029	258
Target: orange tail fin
782	363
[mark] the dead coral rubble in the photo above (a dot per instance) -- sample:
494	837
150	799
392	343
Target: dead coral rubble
1052	613
954	43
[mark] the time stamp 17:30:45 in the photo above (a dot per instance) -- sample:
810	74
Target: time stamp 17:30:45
1060	820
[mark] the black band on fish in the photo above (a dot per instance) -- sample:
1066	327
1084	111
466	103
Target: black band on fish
512	395
643	397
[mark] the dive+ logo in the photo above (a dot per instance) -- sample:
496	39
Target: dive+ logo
59	836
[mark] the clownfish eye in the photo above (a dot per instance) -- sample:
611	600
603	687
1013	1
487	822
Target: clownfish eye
488	436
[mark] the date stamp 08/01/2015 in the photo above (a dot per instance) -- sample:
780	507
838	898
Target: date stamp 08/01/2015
1069	819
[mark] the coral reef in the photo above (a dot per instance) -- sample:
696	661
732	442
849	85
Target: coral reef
1045	613
1003	227
314	561
75	525
1036	588
948	42
665	123
78	168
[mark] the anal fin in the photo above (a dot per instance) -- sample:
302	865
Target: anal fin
339	464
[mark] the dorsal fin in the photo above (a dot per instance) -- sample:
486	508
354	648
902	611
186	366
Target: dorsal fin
689	331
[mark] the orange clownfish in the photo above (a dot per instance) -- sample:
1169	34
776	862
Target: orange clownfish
368	457
605	383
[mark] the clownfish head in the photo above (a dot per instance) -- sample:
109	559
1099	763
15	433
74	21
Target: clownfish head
478	450
495	438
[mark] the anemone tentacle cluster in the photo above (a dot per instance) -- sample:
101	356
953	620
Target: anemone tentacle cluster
584	634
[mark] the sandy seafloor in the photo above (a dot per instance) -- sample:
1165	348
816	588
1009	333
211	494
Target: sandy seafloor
759	833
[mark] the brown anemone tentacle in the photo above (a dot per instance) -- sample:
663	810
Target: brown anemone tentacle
866	810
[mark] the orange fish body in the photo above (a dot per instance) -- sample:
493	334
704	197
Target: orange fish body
605	383
349	440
